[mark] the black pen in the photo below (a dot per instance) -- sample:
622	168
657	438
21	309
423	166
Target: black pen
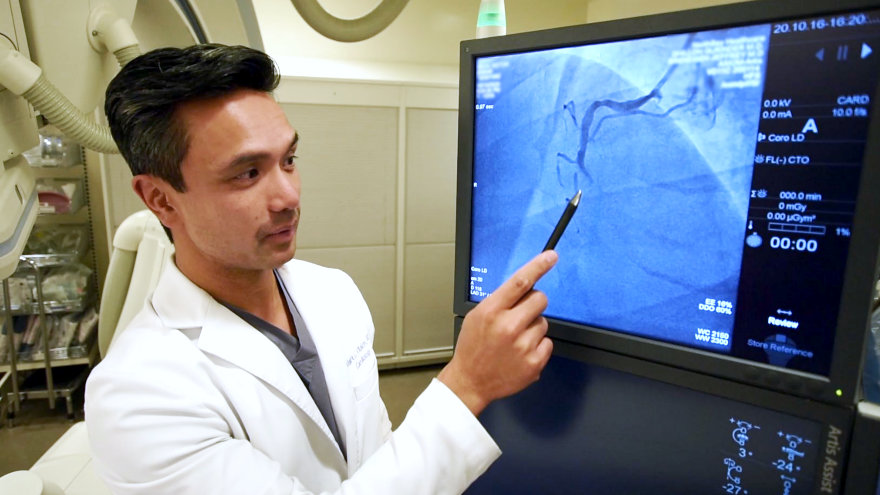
563	221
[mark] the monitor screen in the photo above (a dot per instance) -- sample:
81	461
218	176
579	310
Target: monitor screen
720	155
611	432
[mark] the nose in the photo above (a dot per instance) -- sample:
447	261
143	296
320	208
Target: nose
283	190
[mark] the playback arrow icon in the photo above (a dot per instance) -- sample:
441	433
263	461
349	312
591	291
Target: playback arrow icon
866	50
821	55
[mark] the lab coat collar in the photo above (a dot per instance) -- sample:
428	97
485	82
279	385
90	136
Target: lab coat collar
314	309
181	304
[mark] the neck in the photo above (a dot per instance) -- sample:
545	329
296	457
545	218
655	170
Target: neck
255	291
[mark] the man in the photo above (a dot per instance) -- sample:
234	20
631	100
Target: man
250	372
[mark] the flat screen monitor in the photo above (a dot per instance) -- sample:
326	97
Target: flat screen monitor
588	426
728	165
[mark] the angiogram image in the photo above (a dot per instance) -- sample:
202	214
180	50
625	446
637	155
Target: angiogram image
659	135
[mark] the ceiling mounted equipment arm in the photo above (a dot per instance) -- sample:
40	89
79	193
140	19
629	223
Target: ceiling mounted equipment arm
349	30
24	78
107	31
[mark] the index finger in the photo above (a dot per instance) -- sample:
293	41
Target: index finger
514	288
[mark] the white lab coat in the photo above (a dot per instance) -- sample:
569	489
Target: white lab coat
191	399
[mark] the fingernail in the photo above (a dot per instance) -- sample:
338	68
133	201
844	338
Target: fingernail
551	256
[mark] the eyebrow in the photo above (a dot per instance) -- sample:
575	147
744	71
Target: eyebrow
245	158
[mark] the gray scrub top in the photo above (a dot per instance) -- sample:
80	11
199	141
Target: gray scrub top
301	353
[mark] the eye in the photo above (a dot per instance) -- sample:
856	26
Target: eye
290	162
248	174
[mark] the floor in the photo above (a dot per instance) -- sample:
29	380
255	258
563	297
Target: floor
36	427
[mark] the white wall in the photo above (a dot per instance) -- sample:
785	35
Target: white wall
603	10
427	33
378	166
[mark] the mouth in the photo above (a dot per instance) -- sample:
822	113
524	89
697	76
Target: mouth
281	234
283	231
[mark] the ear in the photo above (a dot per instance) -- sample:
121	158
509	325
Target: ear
158	196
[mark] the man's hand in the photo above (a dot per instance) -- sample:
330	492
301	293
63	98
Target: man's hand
502	346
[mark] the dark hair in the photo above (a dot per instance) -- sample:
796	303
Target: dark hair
142	99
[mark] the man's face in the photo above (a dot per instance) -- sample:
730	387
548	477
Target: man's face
241	206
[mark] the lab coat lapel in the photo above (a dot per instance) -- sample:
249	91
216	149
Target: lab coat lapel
182	304
317	314
230	338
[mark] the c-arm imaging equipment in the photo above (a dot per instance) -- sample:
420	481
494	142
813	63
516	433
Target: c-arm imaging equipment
21	79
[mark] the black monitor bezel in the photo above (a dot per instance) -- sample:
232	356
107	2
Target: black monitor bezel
841	386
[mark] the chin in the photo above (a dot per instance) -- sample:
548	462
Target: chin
283	258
